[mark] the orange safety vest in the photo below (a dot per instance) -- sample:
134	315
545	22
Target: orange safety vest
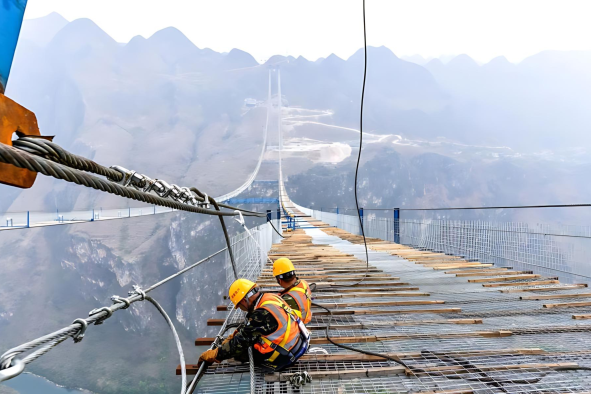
302	294
287	334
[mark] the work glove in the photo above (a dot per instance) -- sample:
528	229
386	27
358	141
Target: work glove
229	338
209	356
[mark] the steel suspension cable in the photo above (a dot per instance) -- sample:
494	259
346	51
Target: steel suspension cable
51	151
23	159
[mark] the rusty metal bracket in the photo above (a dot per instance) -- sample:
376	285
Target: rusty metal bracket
15	118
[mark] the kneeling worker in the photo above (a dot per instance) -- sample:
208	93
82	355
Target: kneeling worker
296	292
277	335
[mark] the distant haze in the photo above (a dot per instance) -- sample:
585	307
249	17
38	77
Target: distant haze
430	28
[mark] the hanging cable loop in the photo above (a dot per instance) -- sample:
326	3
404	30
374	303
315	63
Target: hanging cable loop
16	368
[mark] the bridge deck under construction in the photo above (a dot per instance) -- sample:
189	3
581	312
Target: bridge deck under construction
459	326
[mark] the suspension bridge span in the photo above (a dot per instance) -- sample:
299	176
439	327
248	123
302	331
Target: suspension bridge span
33	219
439	306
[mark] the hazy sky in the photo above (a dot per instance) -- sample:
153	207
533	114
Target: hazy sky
315	28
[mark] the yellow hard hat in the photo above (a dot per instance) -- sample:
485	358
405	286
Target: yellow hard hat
239	289
282	266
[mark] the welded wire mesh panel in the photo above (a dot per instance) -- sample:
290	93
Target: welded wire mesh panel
250	252
559	249
550	249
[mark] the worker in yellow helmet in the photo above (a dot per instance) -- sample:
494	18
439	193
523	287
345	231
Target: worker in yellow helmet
296	292
273	331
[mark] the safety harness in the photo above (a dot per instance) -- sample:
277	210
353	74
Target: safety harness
284	339
302	295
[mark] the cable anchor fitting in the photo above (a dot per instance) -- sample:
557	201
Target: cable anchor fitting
99	310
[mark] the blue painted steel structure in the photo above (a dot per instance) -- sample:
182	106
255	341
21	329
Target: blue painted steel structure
397	225
11	19
254	200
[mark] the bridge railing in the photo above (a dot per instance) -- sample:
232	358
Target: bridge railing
250	251
534	242
15	220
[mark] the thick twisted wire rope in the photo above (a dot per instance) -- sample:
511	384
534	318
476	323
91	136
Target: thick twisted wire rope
51	151
23	159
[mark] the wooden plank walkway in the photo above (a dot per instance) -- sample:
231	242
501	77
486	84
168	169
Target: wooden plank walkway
459	324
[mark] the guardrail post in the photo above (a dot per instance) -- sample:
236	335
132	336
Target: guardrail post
397	225
28	219
92	219
129	215
154	209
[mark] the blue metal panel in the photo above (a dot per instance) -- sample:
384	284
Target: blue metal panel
11	19
256	200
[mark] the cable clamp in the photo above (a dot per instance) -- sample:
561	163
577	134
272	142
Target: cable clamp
148	184
218	341
161	188
99	310
120	300
175	192
127	175
137	290
186	195
79	336
205	202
